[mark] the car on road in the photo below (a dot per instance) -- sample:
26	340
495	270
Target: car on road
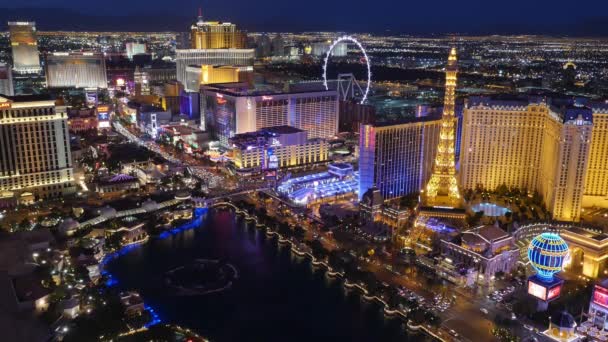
528	327
484	310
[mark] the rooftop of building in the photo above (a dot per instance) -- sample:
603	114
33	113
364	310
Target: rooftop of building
27	98
284	129
243	89
244	140
505	100
589	234
573	112
146	108
554	99
492	233
341	166
18	326
566	108
118	179
563	320
409	121
29	288
75	54
471	239
36	236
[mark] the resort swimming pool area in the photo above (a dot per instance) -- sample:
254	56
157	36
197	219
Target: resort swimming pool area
490	209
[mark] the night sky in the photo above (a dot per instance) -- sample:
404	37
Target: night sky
580	17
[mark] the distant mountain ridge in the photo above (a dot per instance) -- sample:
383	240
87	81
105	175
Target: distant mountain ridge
59	19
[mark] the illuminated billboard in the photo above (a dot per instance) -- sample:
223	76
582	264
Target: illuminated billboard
537	290
103	108
103	116
600	296
546	291
554	292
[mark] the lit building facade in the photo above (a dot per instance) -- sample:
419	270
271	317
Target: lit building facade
529	144
234	57
6	80
231	109
339	181
321	48
151	118
134	48
596	184
209	74
353	114
397	159
76	69
216	35
82	120
142	82
35	155
598	307
24	46
277	147
484	250
588	251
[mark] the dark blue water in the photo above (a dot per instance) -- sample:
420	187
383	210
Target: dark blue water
278	296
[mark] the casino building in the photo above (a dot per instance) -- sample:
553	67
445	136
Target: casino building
277	147
35	156
76	69
232	57
397	158
216	35
482	252
24	46
598	307
557	149
234	108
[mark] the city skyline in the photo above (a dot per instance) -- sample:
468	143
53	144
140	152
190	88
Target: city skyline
468	17
213	178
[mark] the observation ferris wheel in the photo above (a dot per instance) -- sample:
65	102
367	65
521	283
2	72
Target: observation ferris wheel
352	82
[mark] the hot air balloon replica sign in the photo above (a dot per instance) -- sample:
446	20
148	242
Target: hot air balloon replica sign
546	253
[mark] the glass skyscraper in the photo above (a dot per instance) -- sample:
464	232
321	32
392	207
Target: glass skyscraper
397	158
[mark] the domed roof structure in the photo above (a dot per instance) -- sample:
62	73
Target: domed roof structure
547	253
121	178
107	212
149	206
183	195
563	320
68	226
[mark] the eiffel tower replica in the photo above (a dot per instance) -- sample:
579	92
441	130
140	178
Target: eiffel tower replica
441	197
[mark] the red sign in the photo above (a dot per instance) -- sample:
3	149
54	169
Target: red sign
5	105
600	296
554	292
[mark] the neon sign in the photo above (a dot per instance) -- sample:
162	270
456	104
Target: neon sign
600	296
554	292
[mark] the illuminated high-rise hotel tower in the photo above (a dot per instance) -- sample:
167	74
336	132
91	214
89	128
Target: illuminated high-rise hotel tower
216	35
24	46
442	188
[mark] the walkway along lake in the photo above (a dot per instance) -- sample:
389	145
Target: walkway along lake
278	296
